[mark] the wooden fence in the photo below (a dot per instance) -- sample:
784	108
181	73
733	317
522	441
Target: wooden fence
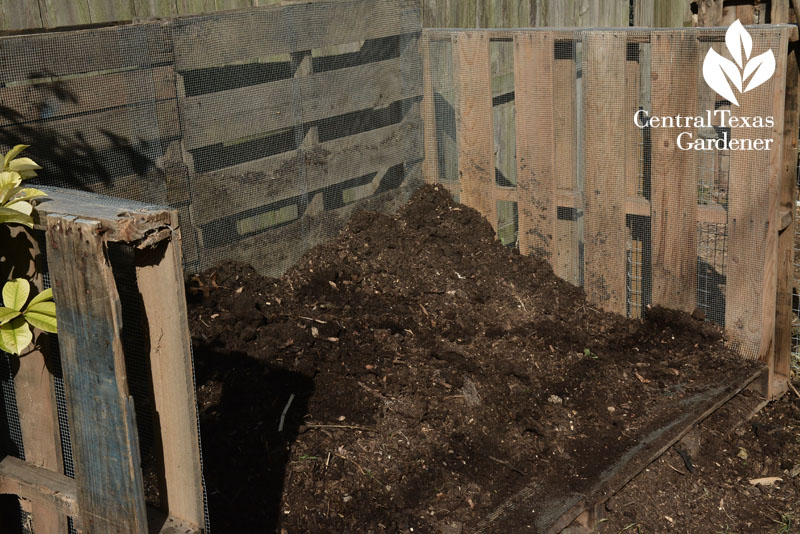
584	197
106	494
262	125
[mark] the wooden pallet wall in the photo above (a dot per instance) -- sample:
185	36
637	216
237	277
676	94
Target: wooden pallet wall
615	208
264	127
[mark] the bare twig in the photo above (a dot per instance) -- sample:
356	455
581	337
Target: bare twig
790	382
348	427
499	461
283	414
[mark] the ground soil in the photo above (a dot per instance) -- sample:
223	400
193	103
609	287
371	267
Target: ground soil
413	374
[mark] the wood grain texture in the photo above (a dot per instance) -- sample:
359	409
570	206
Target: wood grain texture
159	273
753	213
533	90
673	178
787	195
604	226
431	163
105	444
267	180
238	113
83	51
267	31
566	137
38	485
33	385
20	14
476	166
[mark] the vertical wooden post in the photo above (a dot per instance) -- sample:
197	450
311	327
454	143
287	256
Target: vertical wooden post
474	122
101	416
673	178
786	201
533	90
753	215
604	239
565	133
33	385
430	168
160	279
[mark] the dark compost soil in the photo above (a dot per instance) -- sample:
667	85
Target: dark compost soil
426	373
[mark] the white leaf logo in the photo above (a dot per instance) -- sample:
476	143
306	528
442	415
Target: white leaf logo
720	72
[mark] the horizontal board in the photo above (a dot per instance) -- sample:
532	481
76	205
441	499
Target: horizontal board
257	183
270	30
80	51
242	112
58	98
132	130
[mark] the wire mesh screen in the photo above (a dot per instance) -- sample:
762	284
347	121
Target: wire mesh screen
620	164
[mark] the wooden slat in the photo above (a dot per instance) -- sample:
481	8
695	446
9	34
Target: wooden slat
54	99
159	276
267	31
431	163
779	11
19	15
533	90
787	194
250	185
112	10
673	178
83	51
604	226
476	167
33	384
238	113
753	214
39	485
155	8
565	264
57	13
633	135
105	445
130	225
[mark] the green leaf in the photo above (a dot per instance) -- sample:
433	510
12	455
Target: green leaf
6	314
16	335
10	179
13	153
15	293
8	216
21	193
43	321
22	164
22	206
44	308
43	296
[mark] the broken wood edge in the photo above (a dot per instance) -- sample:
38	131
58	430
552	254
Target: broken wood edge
591	506
42	486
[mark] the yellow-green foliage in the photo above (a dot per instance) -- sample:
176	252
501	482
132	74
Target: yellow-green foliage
17	315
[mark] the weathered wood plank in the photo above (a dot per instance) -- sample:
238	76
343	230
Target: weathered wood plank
159	273
39	485
476	166
565	133
130	225
252	184
238	113
605	232
54	99
787	195
709	12
753	214
431	163
112	10
33	383
533	89
82	51
19	15
155	8
57	13
673	178
270	30
102	428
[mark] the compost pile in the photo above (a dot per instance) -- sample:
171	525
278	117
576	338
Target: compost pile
414	373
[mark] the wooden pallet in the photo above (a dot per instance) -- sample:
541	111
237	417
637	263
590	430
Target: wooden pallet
584	198
107	493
